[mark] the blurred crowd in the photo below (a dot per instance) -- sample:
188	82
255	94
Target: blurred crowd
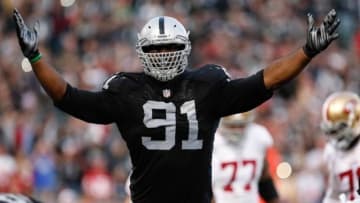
60	159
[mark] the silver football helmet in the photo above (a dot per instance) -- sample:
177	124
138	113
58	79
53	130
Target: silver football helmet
15	198
163	30
341	118
233	127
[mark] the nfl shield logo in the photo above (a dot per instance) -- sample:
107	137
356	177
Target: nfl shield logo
166	93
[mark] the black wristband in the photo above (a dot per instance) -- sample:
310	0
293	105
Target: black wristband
309	52
267	189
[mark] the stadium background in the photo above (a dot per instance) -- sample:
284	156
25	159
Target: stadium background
56	158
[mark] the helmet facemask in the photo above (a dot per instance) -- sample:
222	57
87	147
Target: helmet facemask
233	133
163	48
340	134
234	127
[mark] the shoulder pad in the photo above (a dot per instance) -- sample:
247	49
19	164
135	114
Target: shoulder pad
120	81
262	134
211	73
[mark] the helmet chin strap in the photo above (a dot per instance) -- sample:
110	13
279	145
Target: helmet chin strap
345	138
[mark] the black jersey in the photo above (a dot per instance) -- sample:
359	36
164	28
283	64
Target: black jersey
168	126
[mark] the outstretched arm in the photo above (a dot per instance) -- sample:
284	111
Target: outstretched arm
51	81
318	39
285	69
95	107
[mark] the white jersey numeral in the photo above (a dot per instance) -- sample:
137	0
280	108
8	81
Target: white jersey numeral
188	108
106	84
169	122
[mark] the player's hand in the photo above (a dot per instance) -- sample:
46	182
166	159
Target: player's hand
12	197
28	37
319	37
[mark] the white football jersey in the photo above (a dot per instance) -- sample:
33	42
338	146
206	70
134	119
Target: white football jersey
344	172
237	167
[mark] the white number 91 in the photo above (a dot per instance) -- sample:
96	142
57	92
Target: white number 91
188	108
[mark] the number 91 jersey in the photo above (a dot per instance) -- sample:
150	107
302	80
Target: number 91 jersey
168	126
237	166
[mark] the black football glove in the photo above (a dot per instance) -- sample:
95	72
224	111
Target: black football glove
319	37
28	38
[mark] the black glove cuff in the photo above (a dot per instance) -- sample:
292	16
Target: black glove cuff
309	52
267	189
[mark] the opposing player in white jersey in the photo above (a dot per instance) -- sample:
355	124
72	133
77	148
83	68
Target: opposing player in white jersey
240	171
341	123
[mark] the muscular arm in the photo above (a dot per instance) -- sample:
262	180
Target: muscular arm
50	80
92	107
28	40
318	38
285	69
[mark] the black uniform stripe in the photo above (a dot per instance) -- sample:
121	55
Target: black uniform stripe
161	25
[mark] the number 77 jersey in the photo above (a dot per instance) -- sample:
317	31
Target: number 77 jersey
238	165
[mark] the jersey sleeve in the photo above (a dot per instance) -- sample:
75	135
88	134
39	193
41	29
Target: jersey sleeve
240	95
93	107
328	154
332	194
331	200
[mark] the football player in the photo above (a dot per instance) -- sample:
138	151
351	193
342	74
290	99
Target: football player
16	198
341	124
240	170
168	114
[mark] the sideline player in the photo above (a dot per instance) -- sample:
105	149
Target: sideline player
341	124
240	169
